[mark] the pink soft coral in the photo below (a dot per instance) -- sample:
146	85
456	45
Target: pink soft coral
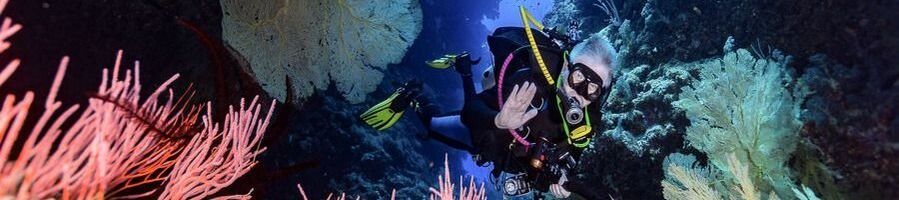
119	143
445	190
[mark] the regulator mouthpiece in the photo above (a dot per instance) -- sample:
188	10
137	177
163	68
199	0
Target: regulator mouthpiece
574	115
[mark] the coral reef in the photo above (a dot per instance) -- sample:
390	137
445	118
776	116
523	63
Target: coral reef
219	154
641	129
685	180
563	12
693	30
639	109
317	43
848	58
327	131
851	115
646	119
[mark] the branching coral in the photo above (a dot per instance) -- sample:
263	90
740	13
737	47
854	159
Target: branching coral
608	7
218	154
446	188
319	42
686	180
119	145
742	106
445	191
341	197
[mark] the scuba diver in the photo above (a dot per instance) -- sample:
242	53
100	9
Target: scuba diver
536	114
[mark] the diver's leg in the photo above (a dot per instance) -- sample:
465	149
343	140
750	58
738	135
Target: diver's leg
450	131
463	67
476	114
447	129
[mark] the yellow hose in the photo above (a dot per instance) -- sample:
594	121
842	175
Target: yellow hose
525	18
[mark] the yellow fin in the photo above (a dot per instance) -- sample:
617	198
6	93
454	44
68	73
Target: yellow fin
442	63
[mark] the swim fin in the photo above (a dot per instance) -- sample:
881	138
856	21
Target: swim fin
387	112
443	62
462	62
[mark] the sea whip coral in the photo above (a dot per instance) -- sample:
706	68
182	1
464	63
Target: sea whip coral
446	187
118	146
217	156
445	191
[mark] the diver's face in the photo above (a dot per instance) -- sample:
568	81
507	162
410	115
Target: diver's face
586	83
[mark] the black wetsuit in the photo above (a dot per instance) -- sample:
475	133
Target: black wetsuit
497	146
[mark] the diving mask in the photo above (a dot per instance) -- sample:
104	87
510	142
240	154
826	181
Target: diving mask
585	82
588	84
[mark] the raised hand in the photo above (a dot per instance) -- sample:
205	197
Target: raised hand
515	112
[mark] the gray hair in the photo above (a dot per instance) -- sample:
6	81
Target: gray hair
595	50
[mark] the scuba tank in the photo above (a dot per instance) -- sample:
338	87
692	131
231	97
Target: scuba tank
488	80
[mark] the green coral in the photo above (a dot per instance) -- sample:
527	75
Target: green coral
741	105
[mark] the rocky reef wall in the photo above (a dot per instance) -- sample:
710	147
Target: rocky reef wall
844	56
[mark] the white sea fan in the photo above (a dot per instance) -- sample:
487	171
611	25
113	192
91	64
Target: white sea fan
319	42
741	105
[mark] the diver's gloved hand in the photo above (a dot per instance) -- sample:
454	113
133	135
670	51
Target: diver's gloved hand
515	112
464	62
557	190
